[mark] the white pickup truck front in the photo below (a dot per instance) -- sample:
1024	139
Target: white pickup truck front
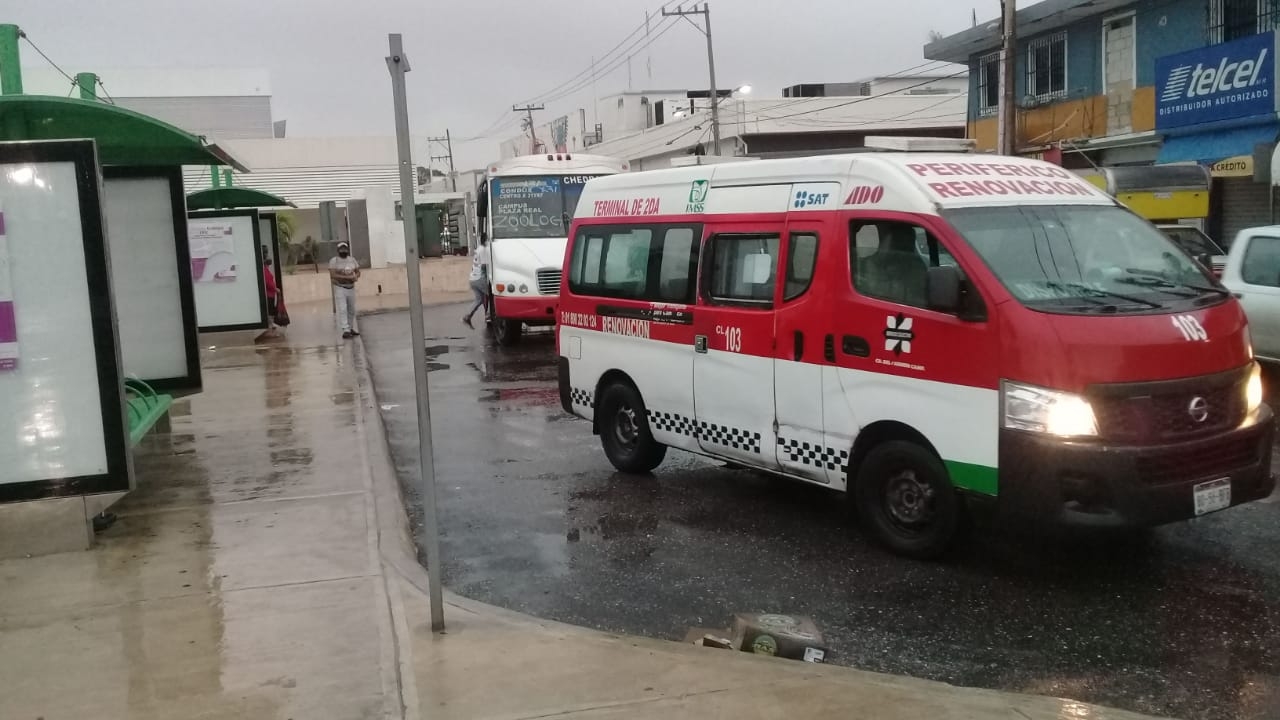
1252	274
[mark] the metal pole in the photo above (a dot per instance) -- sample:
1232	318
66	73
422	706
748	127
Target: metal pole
711	65
398	65
10	69
88	84
453	175
1008	109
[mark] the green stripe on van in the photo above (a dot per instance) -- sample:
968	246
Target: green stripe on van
975	478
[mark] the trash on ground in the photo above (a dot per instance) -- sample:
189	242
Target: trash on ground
784	636
706	637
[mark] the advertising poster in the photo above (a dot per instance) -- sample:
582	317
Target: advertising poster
8	317
213	252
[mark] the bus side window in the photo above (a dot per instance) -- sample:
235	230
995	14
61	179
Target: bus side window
743	269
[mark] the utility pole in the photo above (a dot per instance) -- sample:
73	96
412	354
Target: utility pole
448	146
533	135
705	12
398	65
1008	109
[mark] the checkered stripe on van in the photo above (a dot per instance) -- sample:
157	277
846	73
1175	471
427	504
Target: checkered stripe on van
582	398
813	454
736	438
674	423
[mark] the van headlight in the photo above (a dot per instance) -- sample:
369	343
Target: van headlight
1253	388
1026	407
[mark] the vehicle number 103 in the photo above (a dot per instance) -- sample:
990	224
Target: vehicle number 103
732	337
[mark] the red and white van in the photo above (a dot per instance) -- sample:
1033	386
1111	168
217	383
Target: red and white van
923	330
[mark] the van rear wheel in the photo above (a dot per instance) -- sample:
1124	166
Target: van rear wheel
624	430
905	500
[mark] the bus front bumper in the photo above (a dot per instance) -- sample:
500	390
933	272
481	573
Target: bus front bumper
535	310
1044	480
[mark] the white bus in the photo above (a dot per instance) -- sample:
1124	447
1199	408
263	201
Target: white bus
525	206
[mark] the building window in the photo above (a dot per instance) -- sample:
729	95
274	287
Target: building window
988	84
1047	67
1234	19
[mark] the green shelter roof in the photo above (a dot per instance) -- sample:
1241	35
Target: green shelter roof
124	137
226	198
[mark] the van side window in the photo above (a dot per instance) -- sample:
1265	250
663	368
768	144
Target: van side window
802	257
651	263
678	267
890	260
743	269
1261	265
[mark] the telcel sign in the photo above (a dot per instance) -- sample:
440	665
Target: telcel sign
1220	82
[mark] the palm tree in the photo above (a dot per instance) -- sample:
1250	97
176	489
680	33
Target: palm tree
286	226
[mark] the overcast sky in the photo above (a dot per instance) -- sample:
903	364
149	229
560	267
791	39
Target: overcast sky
472	60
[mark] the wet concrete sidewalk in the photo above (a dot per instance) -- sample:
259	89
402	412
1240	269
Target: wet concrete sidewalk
264	568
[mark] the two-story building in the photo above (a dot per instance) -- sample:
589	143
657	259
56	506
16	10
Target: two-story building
1119	82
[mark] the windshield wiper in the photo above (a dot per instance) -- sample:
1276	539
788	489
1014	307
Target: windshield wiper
1094	295
1155	279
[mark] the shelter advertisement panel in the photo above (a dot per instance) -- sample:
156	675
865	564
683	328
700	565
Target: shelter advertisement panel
8	321
147	235
63	431
226	270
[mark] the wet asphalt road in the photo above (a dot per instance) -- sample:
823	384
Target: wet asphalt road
1182	624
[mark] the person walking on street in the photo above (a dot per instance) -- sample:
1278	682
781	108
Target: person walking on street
479	279
344	271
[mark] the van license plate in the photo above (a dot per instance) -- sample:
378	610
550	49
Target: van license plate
1212	496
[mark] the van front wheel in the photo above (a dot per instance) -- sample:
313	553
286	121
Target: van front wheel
905	500
624	430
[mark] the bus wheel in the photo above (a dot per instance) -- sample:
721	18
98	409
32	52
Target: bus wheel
507	332
624	431
905	500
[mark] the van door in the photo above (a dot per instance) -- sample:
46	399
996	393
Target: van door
799	321
734	342
1260	294
899	362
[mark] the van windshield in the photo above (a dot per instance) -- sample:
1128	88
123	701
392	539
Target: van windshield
1083	258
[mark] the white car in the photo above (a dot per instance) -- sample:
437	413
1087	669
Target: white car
1198	245
1252	274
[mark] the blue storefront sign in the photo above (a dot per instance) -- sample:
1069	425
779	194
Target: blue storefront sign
1221	82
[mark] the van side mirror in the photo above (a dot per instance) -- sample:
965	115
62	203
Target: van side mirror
943	289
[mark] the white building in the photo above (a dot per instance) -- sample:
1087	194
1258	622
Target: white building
218	103
785	127
651	127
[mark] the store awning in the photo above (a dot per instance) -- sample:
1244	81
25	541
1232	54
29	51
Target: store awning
227	198
1209	147
124	137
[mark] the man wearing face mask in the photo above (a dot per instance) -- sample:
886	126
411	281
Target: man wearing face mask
344	271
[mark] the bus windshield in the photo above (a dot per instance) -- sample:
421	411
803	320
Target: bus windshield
534	206
1082	258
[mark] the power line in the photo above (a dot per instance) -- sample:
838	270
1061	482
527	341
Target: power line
615	64
590	69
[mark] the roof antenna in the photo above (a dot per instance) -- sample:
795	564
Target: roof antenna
975	17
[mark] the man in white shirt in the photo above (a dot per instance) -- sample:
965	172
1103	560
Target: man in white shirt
479	278
344	271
